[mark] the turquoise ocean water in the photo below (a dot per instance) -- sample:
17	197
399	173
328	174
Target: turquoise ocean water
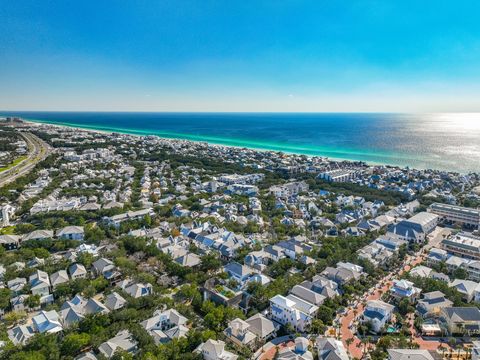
438	141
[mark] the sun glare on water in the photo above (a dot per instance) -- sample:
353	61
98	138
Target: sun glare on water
458	121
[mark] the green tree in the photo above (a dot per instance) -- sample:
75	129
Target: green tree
210	262
33	301
27	355
73	343
5	296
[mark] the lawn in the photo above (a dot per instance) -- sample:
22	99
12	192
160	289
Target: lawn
13	163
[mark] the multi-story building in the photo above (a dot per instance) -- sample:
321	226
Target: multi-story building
292	310
338	175
416	228
457	214
463	244
378	314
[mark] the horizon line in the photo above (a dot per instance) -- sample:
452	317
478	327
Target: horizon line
240	112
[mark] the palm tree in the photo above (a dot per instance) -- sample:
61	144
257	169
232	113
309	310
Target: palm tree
364	343
469	353
452	343
442	349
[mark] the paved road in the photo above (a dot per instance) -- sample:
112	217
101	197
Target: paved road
37	151
356	348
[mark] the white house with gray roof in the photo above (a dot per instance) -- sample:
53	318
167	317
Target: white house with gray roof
123	340
215	350
71	233
166	325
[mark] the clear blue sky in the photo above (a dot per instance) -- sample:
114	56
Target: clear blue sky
230	55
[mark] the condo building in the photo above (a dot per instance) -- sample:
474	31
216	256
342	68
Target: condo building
456	214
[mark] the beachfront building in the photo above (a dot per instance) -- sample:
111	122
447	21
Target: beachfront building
338	175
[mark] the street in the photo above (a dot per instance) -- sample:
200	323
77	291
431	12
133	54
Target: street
38	150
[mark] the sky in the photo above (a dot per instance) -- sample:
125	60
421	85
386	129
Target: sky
290	55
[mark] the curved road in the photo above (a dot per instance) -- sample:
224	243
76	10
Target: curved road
38	150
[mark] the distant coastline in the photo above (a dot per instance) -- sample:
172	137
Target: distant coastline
390	139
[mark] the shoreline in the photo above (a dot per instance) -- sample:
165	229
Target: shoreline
220	144
405	160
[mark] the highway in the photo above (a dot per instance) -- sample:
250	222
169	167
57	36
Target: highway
37	151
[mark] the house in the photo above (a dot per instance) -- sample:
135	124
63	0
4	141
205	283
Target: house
123	340
19	335
18	302
432	303
465	287
378	314
238	272
138	290
308	295
330	349
239	333
275	252
10	242
412	354
78	307
77	271
215	350
35	262
404	289
343	273
323	286
292	310
86	356
262	327
189	260
38	235
217	291
114	301
39	283
462	320
71	233
421	271
436	256
59	277
165	326
103	266
16	285
293	248
47	321
297	352
258	259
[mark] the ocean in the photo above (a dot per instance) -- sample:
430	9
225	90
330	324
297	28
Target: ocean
437	141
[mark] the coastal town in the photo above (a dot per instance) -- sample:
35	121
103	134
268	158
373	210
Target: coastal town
118	246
